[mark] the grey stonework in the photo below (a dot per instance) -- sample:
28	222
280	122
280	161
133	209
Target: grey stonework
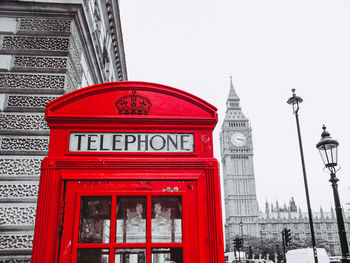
241	204
35	43
19	166
16	241
22	122
276	217
40	62
15	259
20	103
20	144
30	83
16	191
17	215
45	25
56	49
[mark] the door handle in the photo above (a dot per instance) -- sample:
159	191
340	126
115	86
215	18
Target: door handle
169	189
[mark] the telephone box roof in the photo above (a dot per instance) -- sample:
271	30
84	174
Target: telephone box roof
130	100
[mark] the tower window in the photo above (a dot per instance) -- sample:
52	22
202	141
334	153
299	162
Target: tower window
234	104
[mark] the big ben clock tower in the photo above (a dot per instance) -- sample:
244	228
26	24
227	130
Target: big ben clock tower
241	204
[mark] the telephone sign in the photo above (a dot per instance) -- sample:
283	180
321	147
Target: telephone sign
131	142
130	178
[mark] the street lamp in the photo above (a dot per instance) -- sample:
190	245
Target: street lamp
328	149
295	101
241	242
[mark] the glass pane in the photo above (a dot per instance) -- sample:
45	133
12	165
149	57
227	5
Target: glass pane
167	255
167	219
92	255
130	255
131	219
95	219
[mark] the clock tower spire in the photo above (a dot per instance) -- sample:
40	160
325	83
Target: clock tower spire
232	95
236	143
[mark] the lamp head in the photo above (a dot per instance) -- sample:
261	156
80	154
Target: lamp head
295	100
328	149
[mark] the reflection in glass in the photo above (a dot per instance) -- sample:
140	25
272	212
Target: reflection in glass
92	255
167	255
131	219
130	255
166	219
95	214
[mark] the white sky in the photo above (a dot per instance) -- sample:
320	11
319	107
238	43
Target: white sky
270	47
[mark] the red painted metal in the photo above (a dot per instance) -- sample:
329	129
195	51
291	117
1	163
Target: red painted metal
67	175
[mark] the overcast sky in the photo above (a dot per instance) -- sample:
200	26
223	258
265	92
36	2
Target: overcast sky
269	47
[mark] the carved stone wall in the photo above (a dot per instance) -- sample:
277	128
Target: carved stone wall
69	85
46	50
76	39
17	215
31	82
75	42
74	66
40	62
28	144
23	122
42	67
18	102
21	259
35	43
9	190
16	241
45	25
74	74
24	166
6	259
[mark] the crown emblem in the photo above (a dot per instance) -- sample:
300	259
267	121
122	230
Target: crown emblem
133	104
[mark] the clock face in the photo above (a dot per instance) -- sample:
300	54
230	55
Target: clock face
238	139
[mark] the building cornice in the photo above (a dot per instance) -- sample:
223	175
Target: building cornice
117	37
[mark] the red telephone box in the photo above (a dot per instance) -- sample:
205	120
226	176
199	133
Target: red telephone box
130	177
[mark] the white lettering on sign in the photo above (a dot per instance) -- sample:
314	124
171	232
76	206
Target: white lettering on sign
131	142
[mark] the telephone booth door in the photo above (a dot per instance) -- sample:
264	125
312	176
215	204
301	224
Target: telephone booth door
130	222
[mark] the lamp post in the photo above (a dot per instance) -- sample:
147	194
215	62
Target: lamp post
241	226
328	149
261	243
241	248
295	101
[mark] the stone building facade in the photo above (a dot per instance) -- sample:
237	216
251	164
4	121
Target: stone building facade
241	207
275	218
47	48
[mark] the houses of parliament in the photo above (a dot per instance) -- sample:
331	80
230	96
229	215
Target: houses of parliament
243	216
